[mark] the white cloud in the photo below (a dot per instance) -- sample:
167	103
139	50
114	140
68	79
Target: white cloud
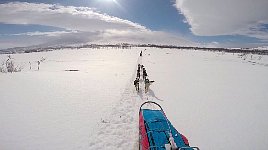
156	37
67	17
225	17
38	33
82	25
101	37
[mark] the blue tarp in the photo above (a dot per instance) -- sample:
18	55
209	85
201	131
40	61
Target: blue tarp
157	129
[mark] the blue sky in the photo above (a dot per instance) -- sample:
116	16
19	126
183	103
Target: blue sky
170	20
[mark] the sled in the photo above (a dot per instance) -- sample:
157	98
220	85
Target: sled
156	132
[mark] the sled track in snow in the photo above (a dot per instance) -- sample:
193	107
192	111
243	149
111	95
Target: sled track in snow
120	131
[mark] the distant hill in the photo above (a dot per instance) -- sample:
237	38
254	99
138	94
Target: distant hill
259	50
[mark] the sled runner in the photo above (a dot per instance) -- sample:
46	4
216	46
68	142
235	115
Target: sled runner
156	131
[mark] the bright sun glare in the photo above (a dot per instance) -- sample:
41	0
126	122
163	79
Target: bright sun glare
109	0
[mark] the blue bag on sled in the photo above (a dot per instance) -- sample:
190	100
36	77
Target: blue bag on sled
156	132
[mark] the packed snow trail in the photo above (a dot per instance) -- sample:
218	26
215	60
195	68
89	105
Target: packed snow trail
120	129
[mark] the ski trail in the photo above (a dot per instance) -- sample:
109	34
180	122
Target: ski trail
120	131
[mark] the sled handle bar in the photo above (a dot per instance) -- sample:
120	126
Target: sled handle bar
151	103
184	148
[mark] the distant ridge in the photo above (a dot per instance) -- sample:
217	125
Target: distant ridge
260	50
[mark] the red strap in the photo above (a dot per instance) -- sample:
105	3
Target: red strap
185	140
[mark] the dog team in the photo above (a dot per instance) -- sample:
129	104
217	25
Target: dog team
147	82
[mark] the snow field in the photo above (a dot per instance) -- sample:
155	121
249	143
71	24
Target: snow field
216	100
56	109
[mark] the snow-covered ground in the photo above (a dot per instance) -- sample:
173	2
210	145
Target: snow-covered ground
218	100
